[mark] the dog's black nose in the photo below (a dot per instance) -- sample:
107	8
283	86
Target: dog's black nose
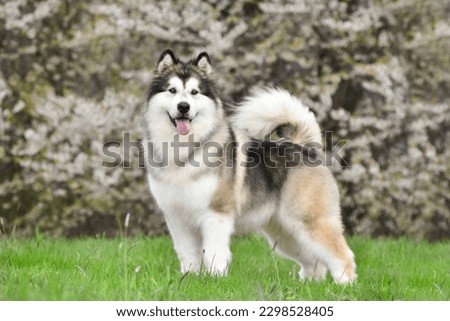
183	107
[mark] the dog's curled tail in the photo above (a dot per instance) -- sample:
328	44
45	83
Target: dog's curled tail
275	112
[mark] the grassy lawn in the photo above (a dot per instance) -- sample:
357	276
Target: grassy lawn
147	269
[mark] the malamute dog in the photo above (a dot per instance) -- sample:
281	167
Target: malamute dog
215	171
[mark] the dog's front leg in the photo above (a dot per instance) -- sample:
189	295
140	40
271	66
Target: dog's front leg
187	243
216	232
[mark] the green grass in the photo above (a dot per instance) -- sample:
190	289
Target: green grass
147	269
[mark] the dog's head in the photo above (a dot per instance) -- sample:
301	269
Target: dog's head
182	97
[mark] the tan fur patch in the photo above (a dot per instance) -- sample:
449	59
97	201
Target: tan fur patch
223	200
313	196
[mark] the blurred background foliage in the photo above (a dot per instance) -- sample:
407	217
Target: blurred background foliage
74	74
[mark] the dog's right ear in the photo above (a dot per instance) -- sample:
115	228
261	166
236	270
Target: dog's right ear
166	60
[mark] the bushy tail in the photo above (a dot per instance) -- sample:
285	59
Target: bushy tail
275	112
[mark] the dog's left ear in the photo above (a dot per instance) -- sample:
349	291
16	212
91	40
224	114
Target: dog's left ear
203	62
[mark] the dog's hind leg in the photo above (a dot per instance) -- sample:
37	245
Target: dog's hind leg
285	244
328	252
310	213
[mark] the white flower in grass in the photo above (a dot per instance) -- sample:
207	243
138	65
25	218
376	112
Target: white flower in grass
127	220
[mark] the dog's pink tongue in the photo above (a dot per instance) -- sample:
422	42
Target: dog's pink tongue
183	126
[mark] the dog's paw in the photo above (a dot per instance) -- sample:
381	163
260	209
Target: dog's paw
317	272
346	275
344	278
218	271
190	268
218	264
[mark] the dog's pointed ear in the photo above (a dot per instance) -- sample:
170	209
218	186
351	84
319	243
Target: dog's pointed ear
203	62
166	60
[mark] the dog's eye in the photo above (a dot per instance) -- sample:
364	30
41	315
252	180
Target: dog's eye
172	90
194	92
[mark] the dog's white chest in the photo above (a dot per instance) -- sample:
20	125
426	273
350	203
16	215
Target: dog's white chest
190	198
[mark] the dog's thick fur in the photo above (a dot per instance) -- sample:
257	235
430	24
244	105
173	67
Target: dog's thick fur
249	183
